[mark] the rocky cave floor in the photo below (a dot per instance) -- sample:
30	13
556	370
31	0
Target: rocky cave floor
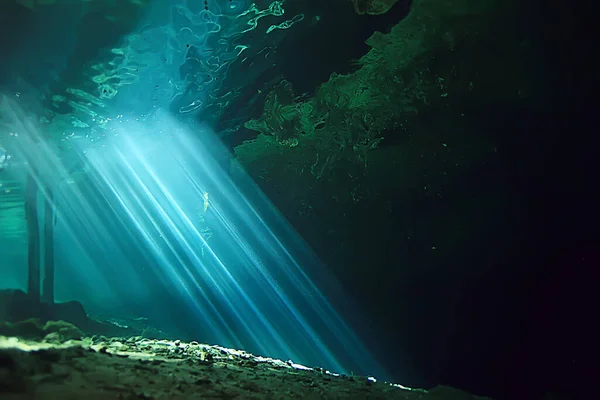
140	368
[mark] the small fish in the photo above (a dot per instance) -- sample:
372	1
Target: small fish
205	202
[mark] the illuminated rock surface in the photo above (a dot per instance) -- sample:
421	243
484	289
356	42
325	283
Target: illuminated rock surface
50	359
138	368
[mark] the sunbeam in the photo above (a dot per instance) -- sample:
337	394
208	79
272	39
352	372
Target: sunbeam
219	246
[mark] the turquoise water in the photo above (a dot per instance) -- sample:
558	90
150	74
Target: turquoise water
116	114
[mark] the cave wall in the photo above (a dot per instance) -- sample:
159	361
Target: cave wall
418	179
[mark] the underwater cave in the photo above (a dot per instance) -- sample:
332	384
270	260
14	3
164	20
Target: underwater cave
292	199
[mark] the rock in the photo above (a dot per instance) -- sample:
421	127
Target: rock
49	371
29	329
65	329
17	306
54	338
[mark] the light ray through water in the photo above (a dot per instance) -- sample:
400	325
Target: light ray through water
221	248
157	207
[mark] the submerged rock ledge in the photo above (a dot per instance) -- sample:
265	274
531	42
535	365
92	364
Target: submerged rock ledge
140	368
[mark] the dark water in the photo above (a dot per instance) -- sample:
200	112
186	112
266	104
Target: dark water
455	258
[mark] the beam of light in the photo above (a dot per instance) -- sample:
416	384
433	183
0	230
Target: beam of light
230	257
155	209
77	224
156	212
